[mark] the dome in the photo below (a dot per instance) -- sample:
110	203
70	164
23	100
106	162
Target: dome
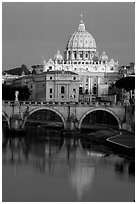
112	62
58	56
82	39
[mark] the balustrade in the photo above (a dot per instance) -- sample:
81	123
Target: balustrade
65	103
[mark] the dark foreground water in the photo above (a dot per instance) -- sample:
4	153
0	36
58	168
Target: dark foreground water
43	166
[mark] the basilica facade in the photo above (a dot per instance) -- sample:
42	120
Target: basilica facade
96	72
81	74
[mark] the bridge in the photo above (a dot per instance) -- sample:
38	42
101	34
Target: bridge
71	114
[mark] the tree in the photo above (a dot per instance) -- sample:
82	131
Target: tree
8	92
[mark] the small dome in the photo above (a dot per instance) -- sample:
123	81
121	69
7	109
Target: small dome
58	56
112	61
104	57
82	39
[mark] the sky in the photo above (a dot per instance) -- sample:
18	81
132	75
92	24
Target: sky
34	31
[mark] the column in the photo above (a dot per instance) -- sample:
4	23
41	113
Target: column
78	55
72	56
89	81
83	55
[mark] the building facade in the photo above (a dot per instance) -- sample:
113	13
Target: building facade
51	86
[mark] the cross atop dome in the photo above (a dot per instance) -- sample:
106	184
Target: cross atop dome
81	26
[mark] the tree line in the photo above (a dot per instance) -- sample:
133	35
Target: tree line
8	92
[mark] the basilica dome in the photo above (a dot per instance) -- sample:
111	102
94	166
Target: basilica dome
81	39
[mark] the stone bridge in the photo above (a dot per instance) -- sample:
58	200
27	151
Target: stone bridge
68	112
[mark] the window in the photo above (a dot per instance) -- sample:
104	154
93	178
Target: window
75	62
74	78
80	90
112	68
94	90
50	77
79	62
74	90
50	67
50	90
62	89
82	62
81	55
86	68
62	96
50	96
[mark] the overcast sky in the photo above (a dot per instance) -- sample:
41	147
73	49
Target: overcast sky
32	31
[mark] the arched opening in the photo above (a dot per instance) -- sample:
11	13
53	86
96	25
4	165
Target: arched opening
45	117
44	124
99	119
5	121
5	126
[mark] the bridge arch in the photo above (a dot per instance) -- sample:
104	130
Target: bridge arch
44	108
99	109
7	118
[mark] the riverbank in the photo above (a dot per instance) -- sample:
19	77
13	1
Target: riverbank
123	142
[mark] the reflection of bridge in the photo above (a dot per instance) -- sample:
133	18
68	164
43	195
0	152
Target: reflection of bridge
71	114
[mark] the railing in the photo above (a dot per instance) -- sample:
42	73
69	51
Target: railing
57	103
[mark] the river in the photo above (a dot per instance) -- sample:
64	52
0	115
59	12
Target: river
43	166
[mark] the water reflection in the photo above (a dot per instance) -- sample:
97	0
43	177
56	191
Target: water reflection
84	164
81	178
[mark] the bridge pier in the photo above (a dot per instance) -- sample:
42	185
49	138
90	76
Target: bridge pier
15	122
72	122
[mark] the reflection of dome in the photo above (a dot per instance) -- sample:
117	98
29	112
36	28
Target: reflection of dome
81	39
81	178
58	56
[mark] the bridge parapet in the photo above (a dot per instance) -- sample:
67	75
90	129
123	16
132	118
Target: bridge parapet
64	103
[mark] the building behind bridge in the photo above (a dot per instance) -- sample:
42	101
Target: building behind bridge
82	74
51	86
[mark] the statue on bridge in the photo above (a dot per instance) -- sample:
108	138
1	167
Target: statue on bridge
16	96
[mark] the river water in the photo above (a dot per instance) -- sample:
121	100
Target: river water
43	166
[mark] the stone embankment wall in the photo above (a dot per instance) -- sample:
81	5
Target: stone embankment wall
129	123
